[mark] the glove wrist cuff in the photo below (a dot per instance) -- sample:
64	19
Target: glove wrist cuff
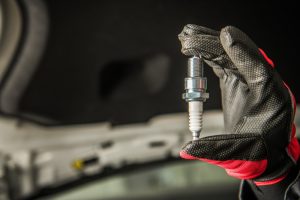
290	172
270	182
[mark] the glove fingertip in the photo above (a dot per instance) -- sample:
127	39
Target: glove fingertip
193	29
226	37
231	35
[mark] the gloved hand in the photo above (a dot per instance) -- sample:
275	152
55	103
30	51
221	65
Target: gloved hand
259	140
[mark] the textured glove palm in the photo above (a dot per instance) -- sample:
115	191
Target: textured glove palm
259	141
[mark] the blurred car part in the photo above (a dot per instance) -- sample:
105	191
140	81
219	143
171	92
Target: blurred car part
38	157
25	29
69	68
10	32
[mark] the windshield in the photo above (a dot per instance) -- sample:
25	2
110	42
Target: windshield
179	180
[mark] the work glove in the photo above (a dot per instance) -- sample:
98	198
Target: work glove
259	140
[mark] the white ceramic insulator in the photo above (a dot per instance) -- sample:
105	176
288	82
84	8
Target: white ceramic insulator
195	117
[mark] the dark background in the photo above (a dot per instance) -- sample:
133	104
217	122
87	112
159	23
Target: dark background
120	61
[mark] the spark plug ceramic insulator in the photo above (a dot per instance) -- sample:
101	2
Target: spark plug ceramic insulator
195	94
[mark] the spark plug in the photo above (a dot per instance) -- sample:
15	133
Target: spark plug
195	94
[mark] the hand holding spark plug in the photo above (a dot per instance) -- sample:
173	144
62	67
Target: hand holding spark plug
259	140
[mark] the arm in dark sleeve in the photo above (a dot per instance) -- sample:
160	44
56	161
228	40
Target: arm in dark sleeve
287	189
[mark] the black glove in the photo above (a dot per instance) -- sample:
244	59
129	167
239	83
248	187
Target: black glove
259	141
